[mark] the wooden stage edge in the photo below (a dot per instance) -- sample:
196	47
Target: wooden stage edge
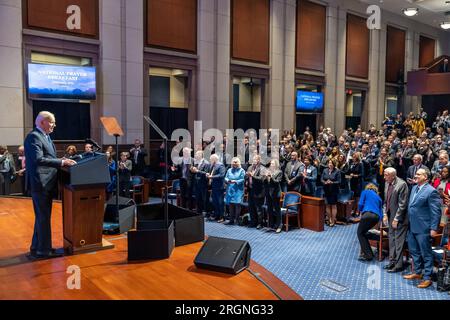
106	275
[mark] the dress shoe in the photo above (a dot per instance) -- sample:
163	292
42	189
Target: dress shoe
53	253
32	255
413	276
258	226
424	284
366	259
389	266
229	223
394	270
221	220
278	230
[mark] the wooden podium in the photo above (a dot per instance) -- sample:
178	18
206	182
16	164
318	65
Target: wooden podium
84	204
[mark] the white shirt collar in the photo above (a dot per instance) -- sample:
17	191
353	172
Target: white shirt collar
43	132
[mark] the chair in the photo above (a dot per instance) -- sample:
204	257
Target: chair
291	207
174	192
383	240
137	188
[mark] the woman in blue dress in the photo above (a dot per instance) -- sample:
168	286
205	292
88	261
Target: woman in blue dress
234	180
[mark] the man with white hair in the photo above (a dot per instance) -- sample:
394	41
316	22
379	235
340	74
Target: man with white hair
396	217
216	177
199	170
41	175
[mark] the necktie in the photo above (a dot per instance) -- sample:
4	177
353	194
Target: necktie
50	142
415	194
381	168
388	200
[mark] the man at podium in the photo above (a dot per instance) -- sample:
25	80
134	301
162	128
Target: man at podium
41	178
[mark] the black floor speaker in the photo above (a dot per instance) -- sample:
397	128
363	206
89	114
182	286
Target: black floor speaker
155	242
124	220
189	226
224	255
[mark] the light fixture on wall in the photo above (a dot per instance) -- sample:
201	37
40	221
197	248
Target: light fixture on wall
410	12
446	24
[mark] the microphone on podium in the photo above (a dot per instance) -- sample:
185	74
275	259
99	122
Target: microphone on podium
93	142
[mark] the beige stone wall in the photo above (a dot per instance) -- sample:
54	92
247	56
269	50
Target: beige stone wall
11	75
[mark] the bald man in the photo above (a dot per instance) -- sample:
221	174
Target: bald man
41	176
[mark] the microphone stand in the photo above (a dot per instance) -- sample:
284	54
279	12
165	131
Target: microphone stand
165	139
116	136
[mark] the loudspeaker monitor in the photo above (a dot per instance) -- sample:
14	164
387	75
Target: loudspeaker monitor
224	255
122	221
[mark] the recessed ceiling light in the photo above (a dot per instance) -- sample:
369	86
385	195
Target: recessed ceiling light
445	25
410	12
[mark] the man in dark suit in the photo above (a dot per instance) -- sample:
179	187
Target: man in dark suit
396	217
19	160
199	170
406	154
41	175
183	170
138	154
256	175
292	173
412	170
424	211
216	177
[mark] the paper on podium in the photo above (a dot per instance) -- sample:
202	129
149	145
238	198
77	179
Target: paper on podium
111	126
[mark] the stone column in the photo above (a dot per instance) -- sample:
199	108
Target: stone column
274	109
290	26
206	103
111	55
223	47
11	75
334	111
377	77
412	63
133	29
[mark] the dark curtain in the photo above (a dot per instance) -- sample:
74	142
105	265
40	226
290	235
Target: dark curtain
168	119
247	120
306	120
73	120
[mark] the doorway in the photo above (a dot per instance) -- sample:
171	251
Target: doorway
354	108
169	96
247	103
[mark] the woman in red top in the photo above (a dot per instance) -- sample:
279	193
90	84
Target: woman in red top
442	183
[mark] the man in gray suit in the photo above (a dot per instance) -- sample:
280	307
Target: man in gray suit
41	175
292	173
424	211
396	217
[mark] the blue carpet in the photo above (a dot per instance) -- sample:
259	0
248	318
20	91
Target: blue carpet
303	259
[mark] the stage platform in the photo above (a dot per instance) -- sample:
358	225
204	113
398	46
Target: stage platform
108	275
